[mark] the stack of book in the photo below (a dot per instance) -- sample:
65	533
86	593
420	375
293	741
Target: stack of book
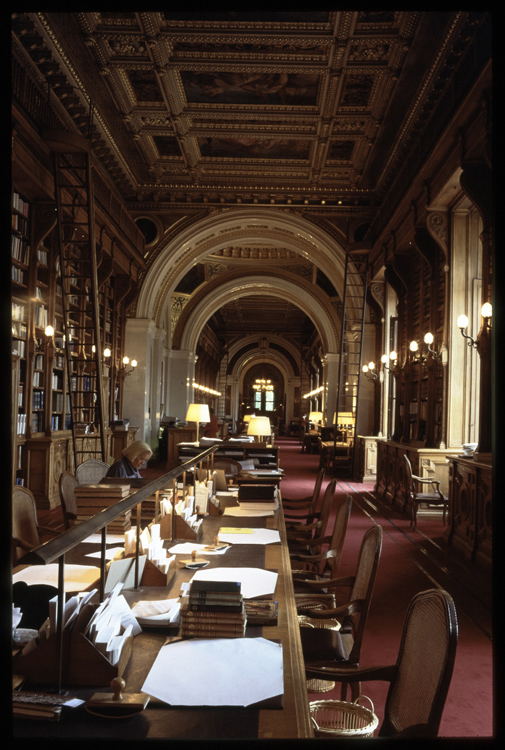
258	496
213	609
92	498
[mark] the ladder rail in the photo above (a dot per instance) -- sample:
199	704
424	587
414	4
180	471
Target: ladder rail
79	273
351	349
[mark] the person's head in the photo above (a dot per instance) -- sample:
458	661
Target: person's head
211	411
137	453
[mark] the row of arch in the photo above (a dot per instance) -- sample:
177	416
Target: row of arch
214	232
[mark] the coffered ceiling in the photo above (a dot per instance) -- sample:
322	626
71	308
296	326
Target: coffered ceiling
284	107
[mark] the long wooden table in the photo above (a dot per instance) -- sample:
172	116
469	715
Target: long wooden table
162	721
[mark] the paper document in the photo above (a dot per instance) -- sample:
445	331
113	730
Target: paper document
258	536
77	577
255	582
216	672
247	512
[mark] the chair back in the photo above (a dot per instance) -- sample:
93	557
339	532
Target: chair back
317	489
24	520
67	484
230	467
324	514
362	589
336	545
91	471
409	480
417	694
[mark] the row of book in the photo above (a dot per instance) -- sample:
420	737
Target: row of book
258	496
20	205
213	609
20	250
17	275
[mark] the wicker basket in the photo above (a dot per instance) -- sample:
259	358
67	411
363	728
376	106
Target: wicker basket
319	686
342	719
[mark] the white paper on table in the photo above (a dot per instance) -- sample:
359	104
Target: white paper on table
109	539
216	672
152	612
241	512
123	571
259	536
186	548
110	553
77	577
254	581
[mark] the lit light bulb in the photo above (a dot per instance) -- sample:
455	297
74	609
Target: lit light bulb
413	346
49	331
486	310
106	352
462	321
428	338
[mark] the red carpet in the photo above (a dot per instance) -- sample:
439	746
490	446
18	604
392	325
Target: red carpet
411	562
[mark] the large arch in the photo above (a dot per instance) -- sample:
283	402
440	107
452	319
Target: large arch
215	294
245	225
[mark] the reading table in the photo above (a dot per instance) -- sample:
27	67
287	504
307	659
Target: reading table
160	720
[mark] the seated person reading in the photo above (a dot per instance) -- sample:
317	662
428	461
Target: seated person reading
134	455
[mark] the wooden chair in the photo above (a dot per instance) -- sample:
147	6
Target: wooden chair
415	498
26	532
230	467
323	647
420	679
91	471
67	484
323	567
304	505
308	538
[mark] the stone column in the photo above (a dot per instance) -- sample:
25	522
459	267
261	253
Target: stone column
139	337
181	378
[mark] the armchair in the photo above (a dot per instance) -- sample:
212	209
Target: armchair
326	647
66	485
26	532
415	498
91	471
420	679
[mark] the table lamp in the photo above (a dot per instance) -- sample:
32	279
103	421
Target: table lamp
259	426
315	416
198	413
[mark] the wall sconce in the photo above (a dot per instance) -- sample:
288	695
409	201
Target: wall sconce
49	333
369	371
416	354
428	339
392	358
126	362
487	312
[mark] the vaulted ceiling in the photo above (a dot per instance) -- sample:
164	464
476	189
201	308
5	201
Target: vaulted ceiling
295	107
317	112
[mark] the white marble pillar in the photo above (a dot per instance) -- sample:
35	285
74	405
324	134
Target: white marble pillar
139	336
181	377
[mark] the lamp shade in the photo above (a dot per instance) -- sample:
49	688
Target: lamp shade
198	413
315	416
259	426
